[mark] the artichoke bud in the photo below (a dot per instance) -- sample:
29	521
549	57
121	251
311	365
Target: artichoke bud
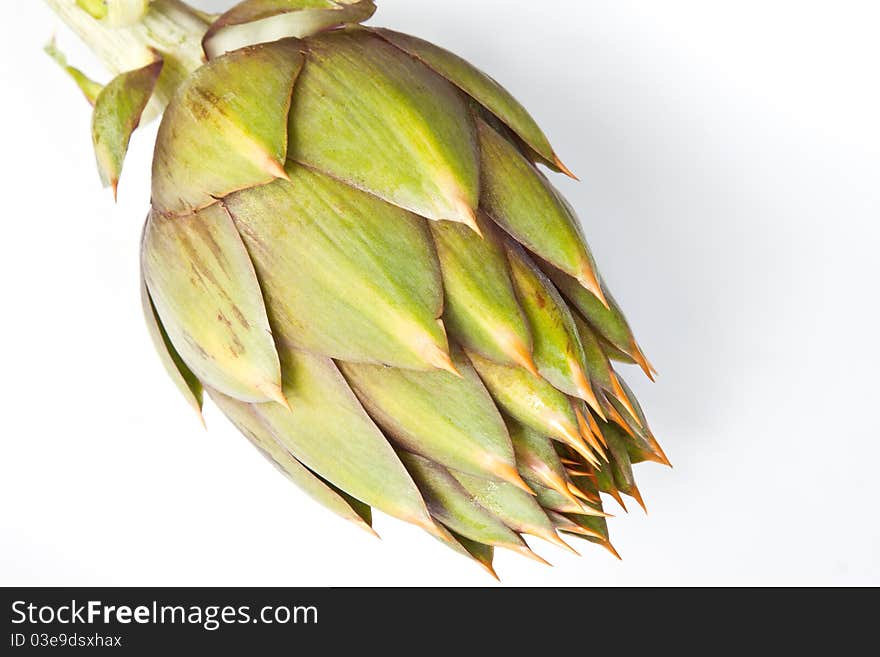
353	249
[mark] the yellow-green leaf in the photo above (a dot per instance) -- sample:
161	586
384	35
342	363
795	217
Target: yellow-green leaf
529	399
524	203
226	127
118	110
445	417
327	431
450	503
480	87
182	376
243	416
345	274
206	293
370	115
481	312
261	21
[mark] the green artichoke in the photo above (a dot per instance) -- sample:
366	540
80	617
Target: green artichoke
352	249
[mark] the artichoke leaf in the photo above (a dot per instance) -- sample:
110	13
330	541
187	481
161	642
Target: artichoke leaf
345	274
242	415
205	291
226	128
328	432
117	114
368	114
182	376
448	418
482	88
481	309
261	21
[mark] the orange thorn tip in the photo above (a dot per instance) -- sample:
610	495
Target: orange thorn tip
489	569
607	545
466	215
526	551
621	396
658	452
522	356
585	390
276	169
564	169
274	393
617	498
557	540
114	185
441	359
636	494
588	279
639	356
509	474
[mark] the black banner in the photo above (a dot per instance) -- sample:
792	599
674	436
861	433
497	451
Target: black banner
241	620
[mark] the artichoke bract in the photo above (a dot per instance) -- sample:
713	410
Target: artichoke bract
353	250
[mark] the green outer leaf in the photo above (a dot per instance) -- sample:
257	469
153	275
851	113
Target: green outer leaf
89	87
516	508
607	322
553	500
450	503
328	432
595	523
226	127
481	311
345	274
621	468
247	23
118	110
598	366
366	113
446	418
480	552
524	203
557	349
243	416
535	454
206	293
182	376
528	399
479	86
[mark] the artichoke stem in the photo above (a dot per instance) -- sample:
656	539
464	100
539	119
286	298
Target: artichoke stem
169	27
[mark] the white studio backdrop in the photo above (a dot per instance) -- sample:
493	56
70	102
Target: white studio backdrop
730	159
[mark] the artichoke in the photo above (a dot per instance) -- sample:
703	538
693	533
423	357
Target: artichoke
352	250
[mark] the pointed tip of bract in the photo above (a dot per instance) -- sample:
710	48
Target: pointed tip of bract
526	551
466	215
564	169
557	540
607	545
588	279
659	453
585	390
276	169
587	435
274	393
509	474
639	356
622	397
114	185
440	359
520	354
636	494
490	569
619	499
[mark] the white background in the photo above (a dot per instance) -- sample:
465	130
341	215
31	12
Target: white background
730	158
